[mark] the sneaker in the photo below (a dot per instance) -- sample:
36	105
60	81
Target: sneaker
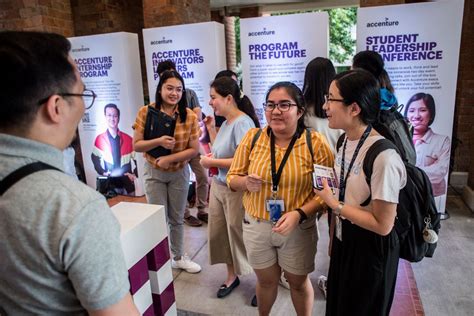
192	221
203	216
283	281
186	264
323	284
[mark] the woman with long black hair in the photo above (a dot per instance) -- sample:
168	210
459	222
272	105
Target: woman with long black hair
167	177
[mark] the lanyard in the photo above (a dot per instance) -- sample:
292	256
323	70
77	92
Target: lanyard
277	175
342	179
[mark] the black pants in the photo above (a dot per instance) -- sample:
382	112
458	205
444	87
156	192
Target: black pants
362	272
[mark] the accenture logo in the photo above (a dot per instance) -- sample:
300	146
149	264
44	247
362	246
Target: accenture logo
262	33
162	41
82	49
387	22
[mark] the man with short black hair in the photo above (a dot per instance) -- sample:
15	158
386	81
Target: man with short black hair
113	154
60	243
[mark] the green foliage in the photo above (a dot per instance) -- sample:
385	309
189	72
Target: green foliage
237	39
341	44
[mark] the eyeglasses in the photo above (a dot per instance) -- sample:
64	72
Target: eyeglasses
282	106
327	99
88	96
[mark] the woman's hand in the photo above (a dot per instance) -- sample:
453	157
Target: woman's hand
253	182
210	122
287	223
326	194
207	161
163	162
167	142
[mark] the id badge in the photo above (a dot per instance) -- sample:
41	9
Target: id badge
275	208
338	228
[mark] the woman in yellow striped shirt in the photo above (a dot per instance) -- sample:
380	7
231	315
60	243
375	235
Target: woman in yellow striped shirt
275	173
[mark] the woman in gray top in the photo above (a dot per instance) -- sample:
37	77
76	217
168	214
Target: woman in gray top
225	206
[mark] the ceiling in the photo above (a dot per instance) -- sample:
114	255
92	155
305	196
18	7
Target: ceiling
282	4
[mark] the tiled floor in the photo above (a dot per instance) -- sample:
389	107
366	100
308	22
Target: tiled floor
445	293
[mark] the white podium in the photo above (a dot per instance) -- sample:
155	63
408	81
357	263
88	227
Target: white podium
144	237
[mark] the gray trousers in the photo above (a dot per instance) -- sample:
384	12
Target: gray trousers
202	185
169	189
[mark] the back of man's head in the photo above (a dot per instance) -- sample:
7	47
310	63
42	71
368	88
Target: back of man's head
165	65
34	66
370	61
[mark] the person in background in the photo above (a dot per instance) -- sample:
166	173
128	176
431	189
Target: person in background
113	154
390	121
202	182
60	243
317	78
167	177
224	73
432	149
318	75
275	175
225	206
365	247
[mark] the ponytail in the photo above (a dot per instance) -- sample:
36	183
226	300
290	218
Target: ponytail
225	86
245	105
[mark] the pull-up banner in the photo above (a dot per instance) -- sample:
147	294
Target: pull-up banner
109	64
278	48
419	44
198	51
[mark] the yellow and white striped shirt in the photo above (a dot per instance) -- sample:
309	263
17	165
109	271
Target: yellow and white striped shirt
295	186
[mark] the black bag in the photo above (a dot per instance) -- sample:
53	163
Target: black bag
394	127
416	209
158	124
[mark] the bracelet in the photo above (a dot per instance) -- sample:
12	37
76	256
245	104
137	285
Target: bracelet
337	211
303	215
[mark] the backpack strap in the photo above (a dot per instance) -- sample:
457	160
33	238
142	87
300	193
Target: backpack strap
309	143
369	159
255	138
340	141
22	172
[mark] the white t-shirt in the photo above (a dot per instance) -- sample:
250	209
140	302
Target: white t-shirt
388	175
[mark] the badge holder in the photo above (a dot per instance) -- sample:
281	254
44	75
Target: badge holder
275	207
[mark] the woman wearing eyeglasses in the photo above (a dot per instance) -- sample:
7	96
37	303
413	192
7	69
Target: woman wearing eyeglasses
275	174
167	177
365	247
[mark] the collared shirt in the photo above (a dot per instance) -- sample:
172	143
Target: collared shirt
295	186
184	132
51	261
432	155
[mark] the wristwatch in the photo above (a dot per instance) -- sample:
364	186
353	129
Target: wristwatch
338	209
303	216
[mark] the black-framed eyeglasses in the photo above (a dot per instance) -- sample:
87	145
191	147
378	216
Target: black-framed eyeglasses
282	106
88	96
328	99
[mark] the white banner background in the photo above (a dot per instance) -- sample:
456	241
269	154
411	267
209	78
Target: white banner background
197	49
435	30
118	81
301	38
